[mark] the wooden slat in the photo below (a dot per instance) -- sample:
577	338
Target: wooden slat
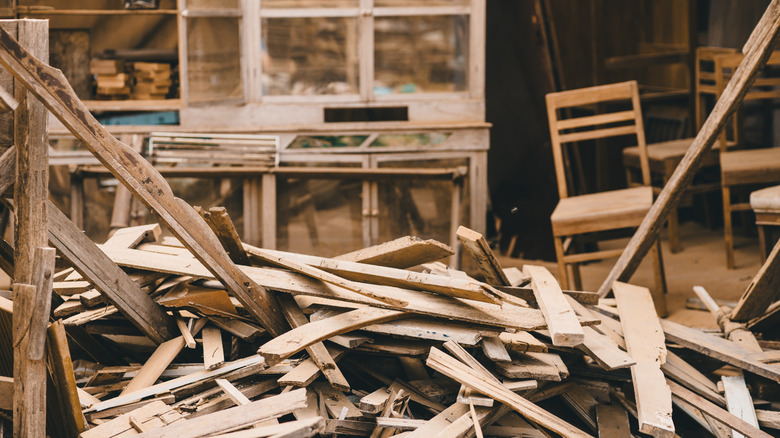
739	401
475	244
647	346
213	352
64	379
600	119
762	291
598	133
562	322
401	253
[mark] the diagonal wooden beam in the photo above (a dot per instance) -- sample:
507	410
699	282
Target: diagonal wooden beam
51	87
757	50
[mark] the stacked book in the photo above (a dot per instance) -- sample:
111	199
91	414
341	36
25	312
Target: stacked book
111	79
151	80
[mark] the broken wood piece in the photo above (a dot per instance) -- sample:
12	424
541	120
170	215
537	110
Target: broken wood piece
91	298
463	374
130	237
291	429
213	351
734	331
220	222
52	88
562	322
604	351
537	366
647	346
297	339
739	401
64	380
231	391
236	417
522	342
401	253
467	396
7	102
158	362
305	372
240	329
583	404
335	401
612	421
494	350
475	244
762	290
189	341
150	416
317	351
527	293
374	403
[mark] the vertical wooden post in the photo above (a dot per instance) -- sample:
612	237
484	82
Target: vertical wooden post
31	192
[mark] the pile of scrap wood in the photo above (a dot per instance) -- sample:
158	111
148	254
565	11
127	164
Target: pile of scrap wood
150	80
389	341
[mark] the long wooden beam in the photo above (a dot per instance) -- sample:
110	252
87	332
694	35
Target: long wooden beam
51	87
757	50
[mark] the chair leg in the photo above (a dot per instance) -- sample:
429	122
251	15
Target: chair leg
728	231
762	243
673	221
659	292
576	276
563	277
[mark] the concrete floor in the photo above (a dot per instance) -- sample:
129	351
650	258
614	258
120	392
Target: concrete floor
701	262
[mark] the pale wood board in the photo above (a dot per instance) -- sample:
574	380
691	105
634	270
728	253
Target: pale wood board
477	247
739	401
402	253
562	322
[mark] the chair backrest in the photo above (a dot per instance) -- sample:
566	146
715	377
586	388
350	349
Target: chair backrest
199	149
605	124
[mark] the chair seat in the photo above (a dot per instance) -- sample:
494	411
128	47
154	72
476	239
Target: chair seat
601	211
658	154
766	200
753	166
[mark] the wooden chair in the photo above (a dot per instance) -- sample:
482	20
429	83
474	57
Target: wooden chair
745	167
664	156
766	205
604	211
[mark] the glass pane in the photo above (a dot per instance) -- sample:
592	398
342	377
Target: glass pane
324	141
281	4
96	4
310	56
214	59
410	140
398	3
421	54
213	4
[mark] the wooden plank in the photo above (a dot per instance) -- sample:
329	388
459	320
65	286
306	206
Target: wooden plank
401	253
537	366
317	351
715	412
562	322
718	348
64	379
380	275
477	247
297	339
583	404
646	345
306	371
130	237
522	342
219	221
213	352
108	278
494	350
138	175
237	328
289	429
375	401
335	401
739	401
158	362
463	374
764	38
612	421
505	316
189	340
762	290
121	425
604	351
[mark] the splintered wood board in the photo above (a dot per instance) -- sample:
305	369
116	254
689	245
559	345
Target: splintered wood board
562	322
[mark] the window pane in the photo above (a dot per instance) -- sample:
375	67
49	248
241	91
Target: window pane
327	141
214	58
310	56
421	54
280	4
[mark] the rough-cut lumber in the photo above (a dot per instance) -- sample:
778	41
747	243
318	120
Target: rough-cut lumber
130	237
219	221
762	291
108	278
297	339
380	275
465	375
715	412
495	350
738	400
149	415
317	351
718	348
762	42
647	346
31	190
521	342
400	253
604	351
562	322
213	352
6	393
305	372
475	244
138	175
612	421
538	366
504	316
64	379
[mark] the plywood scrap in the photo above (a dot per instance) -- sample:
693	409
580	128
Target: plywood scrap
562	322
